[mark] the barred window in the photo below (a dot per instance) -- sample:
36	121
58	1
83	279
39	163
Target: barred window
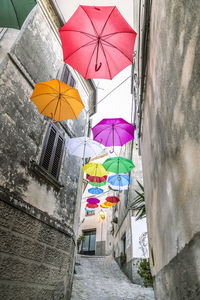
52	151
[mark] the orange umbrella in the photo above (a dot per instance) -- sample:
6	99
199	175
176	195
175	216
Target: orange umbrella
107	204
57	100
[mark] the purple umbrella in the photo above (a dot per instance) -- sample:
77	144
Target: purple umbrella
93	200
113	132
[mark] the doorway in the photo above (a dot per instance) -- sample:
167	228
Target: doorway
89	245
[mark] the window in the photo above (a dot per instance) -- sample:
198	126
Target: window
67	77
53	151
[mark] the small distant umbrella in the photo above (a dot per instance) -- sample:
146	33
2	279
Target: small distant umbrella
93	200
112	199
95	191
89	209
96	178
113	132
109	203
14	13
97	183
57	100
84	147
103	205
91	205
118	165
119	180
95	169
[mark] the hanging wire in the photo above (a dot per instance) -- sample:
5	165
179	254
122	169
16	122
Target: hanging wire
87	111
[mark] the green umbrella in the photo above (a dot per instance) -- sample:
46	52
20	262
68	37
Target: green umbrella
14	12
118	165
98	183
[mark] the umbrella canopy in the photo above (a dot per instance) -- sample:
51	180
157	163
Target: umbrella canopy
118	188
95	191
103	205
89	209
112	199
97	41
119	180
91	205
113	132
95	169
98	183
84	147
57	100
96	178
93	200
118	165
14	13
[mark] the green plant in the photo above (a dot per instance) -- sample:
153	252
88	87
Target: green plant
145	272
122	258
115	220
80	239
139	203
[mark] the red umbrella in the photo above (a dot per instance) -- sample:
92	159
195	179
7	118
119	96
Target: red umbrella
112	199
97	41
96	178
91	205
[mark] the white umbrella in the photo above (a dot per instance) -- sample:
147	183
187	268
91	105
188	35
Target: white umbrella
84	147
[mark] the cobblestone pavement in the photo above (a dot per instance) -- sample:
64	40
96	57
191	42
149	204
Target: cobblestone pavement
100	278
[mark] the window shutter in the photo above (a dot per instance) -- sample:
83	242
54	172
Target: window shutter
67	77
52	151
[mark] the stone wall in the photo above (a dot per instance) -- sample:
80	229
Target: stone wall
35	257
170	147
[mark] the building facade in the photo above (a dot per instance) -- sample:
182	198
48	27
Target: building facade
127	231
40	182
167	79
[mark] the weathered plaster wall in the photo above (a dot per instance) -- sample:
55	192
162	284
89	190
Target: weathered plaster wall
170	144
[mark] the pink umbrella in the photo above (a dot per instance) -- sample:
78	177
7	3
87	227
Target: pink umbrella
93	200
113	132
97	41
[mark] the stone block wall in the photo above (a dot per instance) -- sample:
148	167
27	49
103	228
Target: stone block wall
36	259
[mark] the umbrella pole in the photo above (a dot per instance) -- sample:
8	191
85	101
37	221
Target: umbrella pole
113	150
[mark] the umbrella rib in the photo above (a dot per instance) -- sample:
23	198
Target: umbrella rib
105	58
71	98
43	94
48	104
87	44
90	21
107	20
41	83
109	135
119	137
109	44
90	60
113	33
15	12
70	107
87	34
67	90
127	132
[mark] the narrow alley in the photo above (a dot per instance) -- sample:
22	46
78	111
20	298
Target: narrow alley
100	278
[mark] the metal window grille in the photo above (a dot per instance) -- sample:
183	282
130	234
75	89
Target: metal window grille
67	77
52	151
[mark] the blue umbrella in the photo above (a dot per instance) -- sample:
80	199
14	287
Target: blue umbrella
119	180
95	191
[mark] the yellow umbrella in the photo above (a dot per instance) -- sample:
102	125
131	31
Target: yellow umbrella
106	204
95	169
57	100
